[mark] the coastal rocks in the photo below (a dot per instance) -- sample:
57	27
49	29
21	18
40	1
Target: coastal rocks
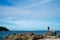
51	33
24	37
33	36
58	36
16	37
30	36
9	37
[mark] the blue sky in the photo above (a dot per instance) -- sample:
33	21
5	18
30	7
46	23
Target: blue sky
30	14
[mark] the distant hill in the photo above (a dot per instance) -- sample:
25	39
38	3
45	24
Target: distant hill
3	29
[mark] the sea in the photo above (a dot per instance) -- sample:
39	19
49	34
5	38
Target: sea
6	33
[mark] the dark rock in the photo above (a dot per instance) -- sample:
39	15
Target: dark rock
3	29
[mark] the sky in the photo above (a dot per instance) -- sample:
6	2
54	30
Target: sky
30	14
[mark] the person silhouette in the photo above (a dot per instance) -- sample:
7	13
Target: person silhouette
48	28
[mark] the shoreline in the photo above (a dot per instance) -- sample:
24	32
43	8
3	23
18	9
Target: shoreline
31	36
49	35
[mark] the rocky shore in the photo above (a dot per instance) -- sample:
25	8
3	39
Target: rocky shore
32	36
29	36
50	35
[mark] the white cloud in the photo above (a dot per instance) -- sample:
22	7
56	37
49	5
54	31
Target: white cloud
10	11
27	24
31	25
9	18
37	3
43	12
25	13
17	3
30	19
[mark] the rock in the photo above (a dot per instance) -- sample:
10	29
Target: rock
16	37
40	37
30	36
24	38
51	33
35	37
58	36
10	37
3	29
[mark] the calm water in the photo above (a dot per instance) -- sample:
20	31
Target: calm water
3	34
